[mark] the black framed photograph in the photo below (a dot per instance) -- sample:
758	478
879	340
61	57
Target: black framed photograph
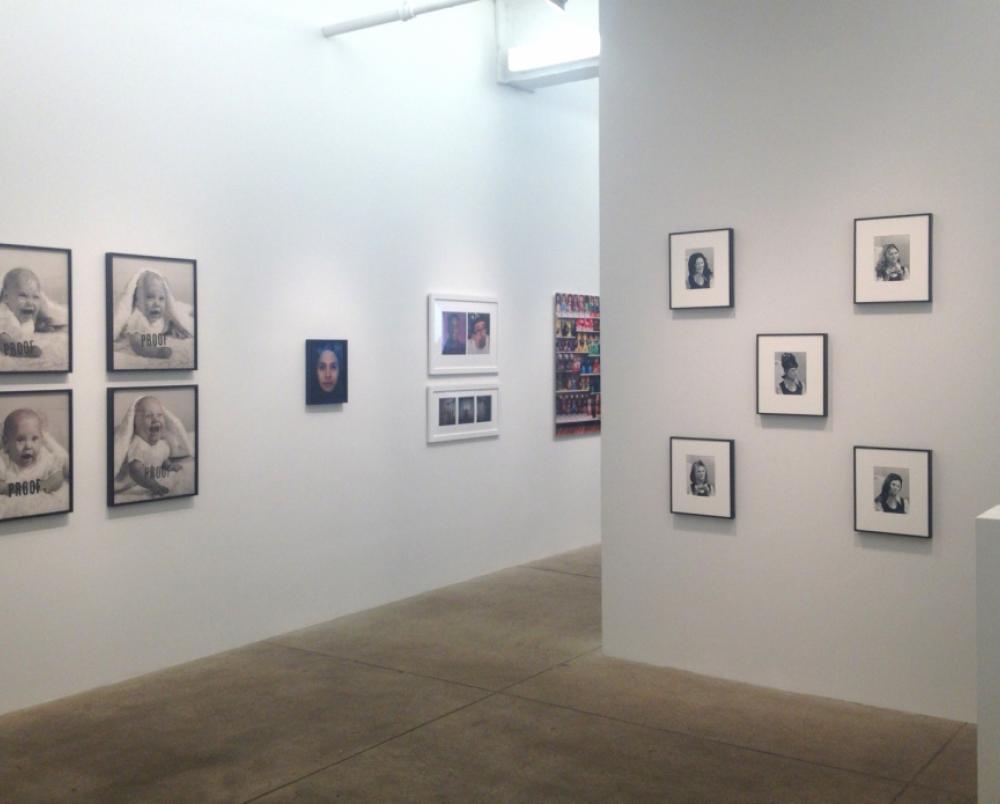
701	269
463	334
892	491
791	374
37	453
892	259
152	443
702	477
152	313
459	412
36	310
326	372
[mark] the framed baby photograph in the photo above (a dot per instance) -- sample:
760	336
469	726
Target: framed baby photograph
463	334
892	491
36	310
892	259
702	477
152	313
701	269
458	412
326	372
152	443
37	453
791	374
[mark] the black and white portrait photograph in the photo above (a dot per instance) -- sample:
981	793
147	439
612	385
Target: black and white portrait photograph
459	412
892	491
702	477
36	459
36	332
152	444
700	269
892	259
151	313
462	335
792	374
326	372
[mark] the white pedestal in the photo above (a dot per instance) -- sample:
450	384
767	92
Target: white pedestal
988	639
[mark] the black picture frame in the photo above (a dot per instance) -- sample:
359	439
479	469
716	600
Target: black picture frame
24	496
808	401
683	247
49	266
315	393
912	233
720	502
913	467
139	351
180	406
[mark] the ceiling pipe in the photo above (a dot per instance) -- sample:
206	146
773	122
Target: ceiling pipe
406	11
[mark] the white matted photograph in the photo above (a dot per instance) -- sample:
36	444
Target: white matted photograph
152	313
892	491
892	259
702	480
701	269
36	323
792	375
36	459
458	412
463	334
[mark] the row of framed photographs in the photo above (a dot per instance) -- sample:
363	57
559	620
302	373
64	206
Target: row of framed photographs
892	263
152	448
151	303
892	485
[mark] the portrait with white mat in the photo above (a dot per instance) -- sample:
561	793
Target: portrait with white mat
892	259
702	479
892	491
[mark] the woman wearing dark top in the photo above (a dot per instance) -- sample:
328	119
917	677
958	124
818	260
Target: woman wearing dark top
889	267
699	274
891	501
700	487
790	382
326	373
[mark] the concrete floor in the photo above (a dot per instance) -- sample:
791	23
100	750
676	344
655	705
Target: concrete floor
491	690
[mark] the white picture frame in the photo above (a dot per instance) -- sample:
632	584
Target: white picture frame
460	412
893	491
711	285
792	374
906	277
711	493
456	325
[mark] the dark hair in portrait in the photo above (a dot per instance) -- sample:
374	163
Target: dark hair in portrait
890	267
881	502
692	271
326	372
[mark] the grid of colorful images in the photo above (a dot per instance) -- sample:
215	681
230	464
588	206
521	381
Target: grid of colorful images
578	364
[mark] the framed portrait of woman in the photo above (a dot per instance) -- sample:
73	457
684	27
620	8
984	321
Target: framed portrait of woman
702	477
326	372
892	491
791	374
700	269
892	259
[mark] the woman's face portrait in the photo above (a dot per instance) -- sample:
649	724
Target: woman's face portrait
327	370
895	486
892	255
700	473
792	373
699	266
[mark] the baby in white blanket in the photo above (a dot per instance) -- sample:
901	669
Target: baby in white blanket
31	462
155	317
147	461
25	310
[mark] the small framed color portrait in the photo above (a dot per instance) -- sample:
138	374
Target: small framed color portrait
36	460
892	491
152	443
701	269
892	259
791	374
326	372
459	412
463	334
152	313
36	318
702	477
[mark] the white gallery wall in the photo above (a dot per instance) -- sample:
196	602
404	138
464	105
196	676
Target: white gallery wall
325	187
787	119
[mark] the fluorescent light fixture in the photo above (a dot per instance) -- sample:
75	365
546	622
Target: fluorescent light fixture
564	47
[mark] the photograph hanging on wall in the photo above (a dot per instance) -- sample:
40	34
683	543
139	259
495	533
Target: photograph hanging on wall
701	269
37	453
152	443
892	259
892	491
152	313
702	477
459	412
578	364
326	372
791	374
36	324
463	334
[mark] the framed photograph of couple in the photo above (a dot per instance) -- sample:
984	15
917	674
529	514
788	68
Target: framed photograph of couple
463	334
791	374
700	269
702	477
892	491
892	259
458	412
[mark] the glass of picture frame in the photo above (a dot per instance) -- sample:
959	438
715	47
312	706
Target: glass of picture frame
459	412
892	259
893	491
700	269
792	374
703	477
463	334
